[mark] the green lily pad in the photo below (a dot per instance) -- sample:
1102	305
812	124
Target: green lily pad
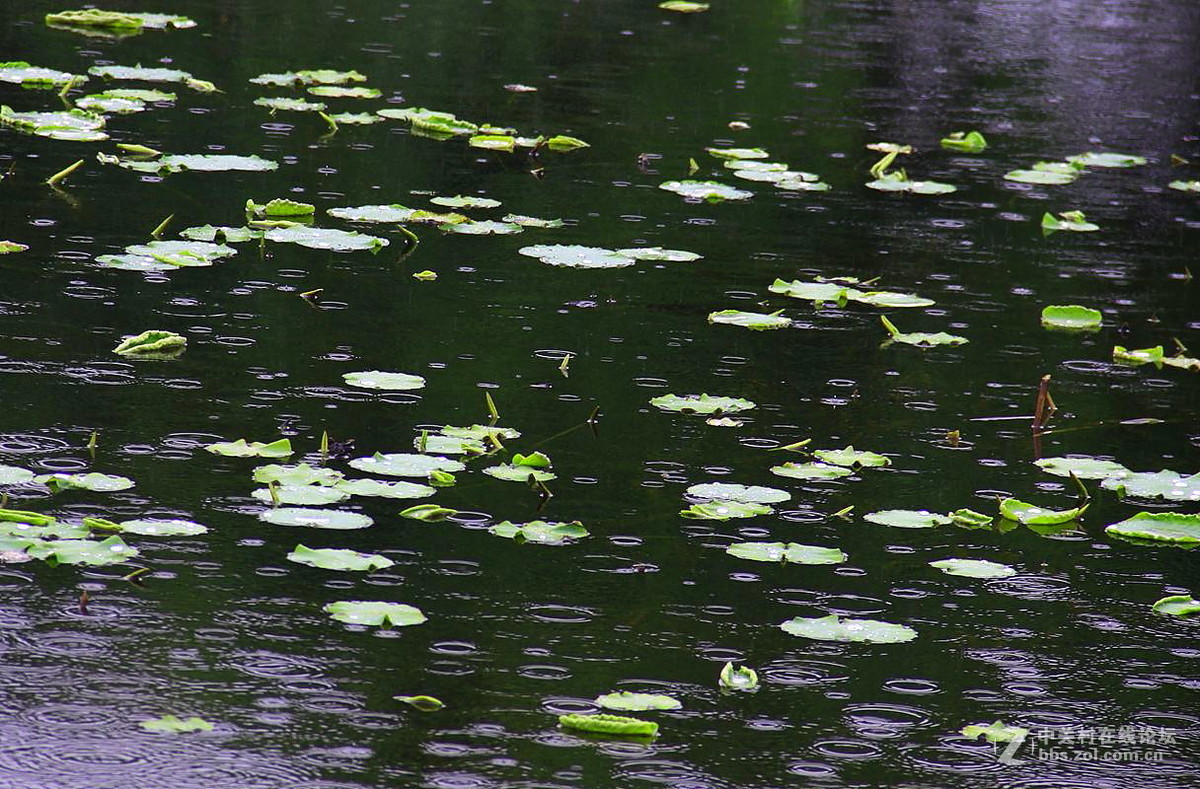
966	142
1042	177
810	471
738	678
920	339
575	256
7	247
154	342
339	559
141	74
481	432
850	457
1071	316
1106	160
378	214
384	489
355	118
1166	484
301	495
101	483
834	628
14	475
175	725
405	465
996	732
465	201
885	298
531	221
614	725
561	143
484	228
815	291
167	255
422	703
104	102
201	163
110	551
300	474
341	92
162	527
707	191
541	532
790	553
18	72
428	513
974	568
25	517
75	125
257	449
534	460
898	181
758	166
738	153
225	235
340	520
750	320
683	6
1167	527
513	472
1185	186
637	702
280	207
1083	468
725	510
658	253
326	238
701	404
448	445
392	382
1031	515
747	494
493	142
1153	355
364	612
908	519
1178	605
1070	220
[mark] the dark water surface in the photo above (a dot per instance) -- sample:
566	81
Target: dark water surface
226	628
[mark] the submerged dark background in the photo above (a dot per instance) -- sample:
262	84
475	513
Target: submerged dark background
227	629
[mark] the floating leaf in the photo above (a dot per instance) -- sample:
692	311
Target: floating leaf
465	201
7	247
531	221
378	487
280	207
974	568
355	118
1178	605
1167	527
1071	220
103	102
534	460
167	255
637	702
920	339
110	551
738	678
142	74
405	465
1042	177
339	559
25	517
101	483
908	519
514	473
790	553
1153	355
484	228
738	153
1071	316
701	404
815	291
341	520
884	298
325	76
890	147
810	471
850	457
14	475
481	432
1030	515
339	92
174	725
1185	186
301	474
708	191
493	142
967	142
541	532
18	72
575	256
1106	160
382	214
898	181
325	238
241	449
449	445
725	510
750	320
615	725
301	495
422	703
683	6
277	103
392	382
834	628
162	527
362	612
658	253
1083	468
73	125
201	162
996	732
1166	484
748	494
428	513
154	343
563	143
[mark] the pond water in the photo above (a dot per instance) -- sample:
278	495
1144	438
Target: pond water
223	626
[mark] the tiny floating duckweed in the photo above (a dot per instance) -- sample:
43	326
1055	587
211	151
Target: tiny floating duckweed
615	725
